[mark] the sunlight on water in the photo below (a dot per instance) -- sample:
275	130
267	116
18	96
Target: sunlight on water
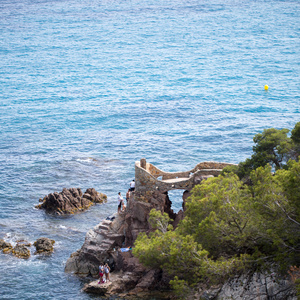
89	87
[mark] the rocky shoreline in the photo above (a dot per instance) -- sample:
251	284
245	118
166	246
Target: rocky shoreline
111	240
131	280
104	242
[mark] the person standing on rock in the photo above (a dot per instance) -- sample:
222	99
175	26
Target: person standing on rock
101	271
127	196
106	271
120	200
132	186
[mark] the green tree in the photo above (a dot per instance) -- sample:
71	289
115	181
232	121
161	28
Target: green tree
276	202
219	217
179	255
272	146
296	141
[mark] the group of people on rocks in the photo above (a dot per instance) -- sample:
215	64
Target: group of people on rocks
104	271
121	204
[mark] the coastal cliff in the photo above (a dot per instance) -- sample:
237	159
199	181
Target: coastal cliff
169	252
107	242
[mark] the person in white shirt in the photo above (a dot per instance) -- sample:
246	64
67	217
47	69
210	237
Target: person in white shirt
132	186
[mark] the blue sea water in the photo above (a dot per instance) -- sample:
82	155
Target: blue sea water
89	87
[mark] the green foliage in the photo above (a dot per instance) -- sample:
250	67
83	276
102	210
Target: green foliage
272	146
276	201
296	142
172	252
159	221
230	169
180	287
179	255
296	134
219	217
297	284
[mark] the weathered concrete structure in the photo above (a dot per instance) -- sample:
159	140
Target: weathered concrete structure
150	178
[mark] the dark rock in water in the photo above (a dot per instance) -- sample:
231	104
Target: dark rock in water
70	201
44	245
4	244
5	247
92	195
21	251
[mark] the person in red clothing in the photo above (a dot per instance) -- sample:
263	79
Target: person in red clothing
101	271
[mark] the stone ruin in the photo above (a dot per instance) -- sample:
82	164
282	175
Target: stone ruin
150	178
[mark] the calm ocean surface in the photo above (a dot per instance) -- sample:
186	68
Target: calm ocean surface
89	87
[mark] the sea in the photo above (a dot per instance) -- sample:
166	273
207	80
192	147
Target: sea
90	87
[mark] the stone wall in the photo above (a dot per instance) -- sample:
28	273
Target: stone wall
150	178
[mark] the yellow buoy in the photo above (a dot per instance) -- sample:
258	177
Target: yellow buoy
266	87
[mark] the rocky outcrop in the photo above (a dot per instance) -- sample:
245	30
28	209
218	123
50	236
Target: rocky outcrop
103	243
137	213
257	286
130	280
99	245
70	201
5	246
43	245
22	248
21	251
126	285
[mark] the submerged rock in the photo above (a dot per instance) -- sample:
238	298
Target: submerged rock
70	201
44	245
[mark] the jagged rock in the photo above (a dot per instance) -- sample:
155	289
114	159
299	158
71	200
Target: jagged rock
118	283
43	245
103	243
92	195
24	242
21	251
137	213
70	201
99	245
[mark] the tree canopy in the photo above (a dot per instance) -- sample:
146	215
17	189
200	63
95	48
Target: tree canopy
272	146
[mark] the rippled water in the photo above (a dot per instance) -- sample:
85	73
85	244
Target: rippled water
89	87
